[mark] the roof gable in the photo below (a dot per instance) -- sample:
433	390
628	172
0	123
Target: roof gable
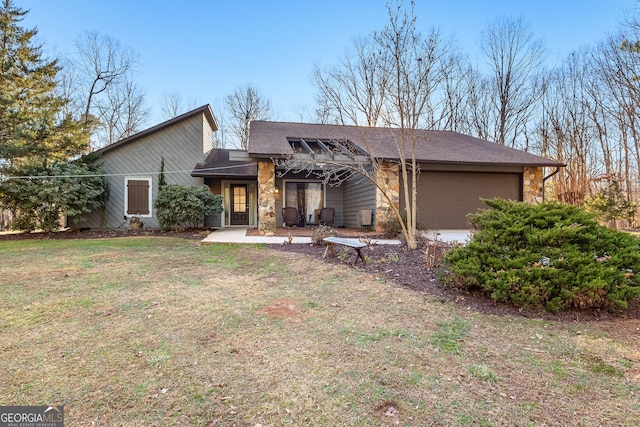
205	109
272	139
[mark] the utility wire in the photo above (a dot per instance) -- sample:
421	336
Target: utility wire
122	174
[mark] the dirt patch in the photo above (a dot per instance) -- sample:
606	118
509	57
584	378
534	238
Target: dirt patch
387	412
283	309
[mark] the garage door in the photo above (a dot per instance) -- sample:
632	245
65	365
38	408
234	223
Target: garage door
445	198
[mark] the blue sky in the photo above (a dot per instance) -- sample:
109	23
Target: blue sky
204	50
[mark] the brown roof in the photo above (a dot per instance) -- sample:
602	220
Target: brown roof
270	139
219	165
205	109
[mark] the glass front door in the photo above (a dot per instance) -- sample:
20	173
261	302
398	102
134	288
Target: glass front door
239	205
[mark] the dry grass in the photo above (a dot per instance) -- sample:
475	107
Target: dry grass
159	331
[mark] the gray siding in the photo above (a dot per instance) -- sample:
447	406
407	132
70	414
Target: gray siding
181	145
334	200
358	193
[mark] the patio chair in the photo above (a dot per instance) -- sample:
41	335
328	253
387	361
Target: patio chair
326	215
290	216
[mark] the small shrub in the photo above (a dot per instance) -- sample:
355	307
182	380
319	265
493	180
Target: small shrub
391	227
182	206
611	205
434	252
549	256
321	232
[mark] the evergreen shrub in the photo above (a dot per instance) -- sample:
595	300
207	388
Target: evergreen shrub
184	206
548	256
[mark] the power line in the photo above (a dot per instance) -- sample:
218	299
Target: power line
123	174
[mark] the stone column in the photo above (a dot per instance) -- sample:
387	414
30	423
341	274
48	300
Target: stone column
266	197
532	185
388	179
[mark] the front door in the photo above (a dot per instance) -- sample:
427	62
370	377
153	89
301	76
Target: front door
239	204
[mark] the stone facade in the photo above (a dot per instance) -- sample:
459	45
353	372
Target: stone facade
532	185
266	197
389	180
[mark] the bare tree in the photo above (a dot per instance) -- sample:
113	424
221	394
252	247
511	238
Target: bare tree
515	59
246	104
122	111
415	74
354	91
392	79
103	61
103	71
173	105
568	133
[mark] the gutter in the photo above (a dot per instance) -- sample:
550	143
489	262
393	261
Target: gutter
547	177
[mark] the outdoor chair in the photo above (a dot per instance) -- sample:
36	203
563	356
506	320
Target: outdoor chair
290	216
326	215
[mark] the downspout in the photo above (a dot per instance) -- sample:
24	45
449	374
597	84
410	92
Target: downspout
547	177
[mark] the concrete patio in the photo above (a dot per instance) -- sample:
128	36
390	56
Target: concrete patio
239	235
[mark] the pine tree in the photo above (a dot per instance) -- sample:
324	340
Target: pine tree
38	180
33	130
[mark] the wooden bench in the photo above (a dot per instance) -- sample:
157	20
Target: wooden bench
332	241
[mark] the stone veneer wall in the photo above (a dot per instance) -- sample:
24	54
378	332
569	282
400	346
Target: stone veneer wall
532	185
266	197
388	179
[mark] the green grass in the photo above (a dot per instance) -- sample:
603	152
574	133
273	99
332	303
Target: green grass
449	335
161	331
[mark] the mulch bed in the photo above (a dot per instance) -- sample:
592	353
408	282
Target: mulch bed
403	266
106	234
408	269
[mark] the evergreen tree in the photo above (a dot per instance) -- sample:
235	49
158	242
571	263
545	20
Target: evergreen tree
37	138
161	180
33	129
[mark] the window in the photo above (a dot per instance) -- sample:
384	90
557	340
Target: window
239	198
306	196
137	197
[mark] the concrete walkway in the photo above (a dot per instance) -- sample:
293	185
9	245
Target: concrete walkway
239	235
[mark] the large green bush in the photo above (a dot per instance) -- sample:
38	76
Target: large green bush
550	256
182	206
43	196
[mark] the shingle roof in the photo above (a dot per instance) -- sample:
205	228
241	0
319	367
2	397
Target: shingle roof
218	164
270	139
205	109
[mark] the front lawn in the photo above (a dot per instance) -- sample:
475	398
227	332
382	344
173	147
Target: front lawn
164	331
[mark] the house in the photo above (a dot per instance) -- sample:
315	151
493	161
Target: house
133	164
456	171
